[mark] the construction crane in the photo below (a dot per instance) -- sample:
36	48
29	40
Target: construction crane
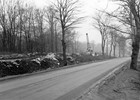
89	50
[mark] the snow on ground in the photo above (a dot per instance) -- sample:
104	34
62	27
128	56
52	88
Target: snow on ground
124	86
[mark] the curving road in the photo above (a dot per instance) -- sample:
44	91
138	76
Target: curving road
65	84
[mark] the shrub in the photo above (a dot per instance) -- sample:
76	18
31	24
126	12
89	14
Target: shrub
8	68
23	66
33	66
49	63
85	58
13	68
3	69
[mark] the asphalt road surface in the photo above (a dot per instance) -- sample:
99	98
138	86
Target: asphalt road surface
65	84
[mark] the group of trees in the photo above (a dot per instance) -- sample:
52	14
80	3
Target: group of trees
26	28
117	41
21	26
111	38
129	16
127	26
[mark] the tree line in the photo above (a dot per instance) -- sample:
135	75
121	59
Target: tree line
26	28
111	39
121	25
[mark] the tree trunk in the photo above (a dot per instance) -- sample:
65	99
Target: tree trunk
64	47
135	52
114	50
20	37
110	49
102	50
136	43
56	42
103	46
56	39
4	37
107	47
119	50
52	38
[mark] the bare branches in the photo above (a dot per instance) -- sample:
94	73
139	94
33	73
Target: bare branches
67	12
133	7
101	23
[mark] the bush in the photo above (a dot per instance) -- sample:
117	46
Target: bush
13	68
33	66
23	67
49	63
70	60
85	58
59	57
45	64
3	69
8	68
27	65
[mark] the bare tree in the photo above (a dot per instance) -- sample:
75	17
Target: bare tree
20	11
52	22
100	23
8	17
67	11
134	6
70	40
130	17
113	34
39	16
3	23
24	29
121	45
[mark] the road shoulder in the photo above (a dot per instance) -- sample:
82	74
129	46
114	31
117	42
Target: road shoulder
113	86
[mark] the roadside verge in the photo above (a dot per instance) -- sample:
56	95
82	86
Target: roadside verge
92	93
7	78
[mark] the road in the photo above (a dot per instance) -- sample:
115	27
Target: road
65	84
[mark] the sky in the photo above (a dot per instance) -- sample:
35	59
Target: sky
88	9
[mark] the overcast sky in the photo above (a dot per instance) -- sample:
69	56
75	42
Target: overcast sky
88	9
